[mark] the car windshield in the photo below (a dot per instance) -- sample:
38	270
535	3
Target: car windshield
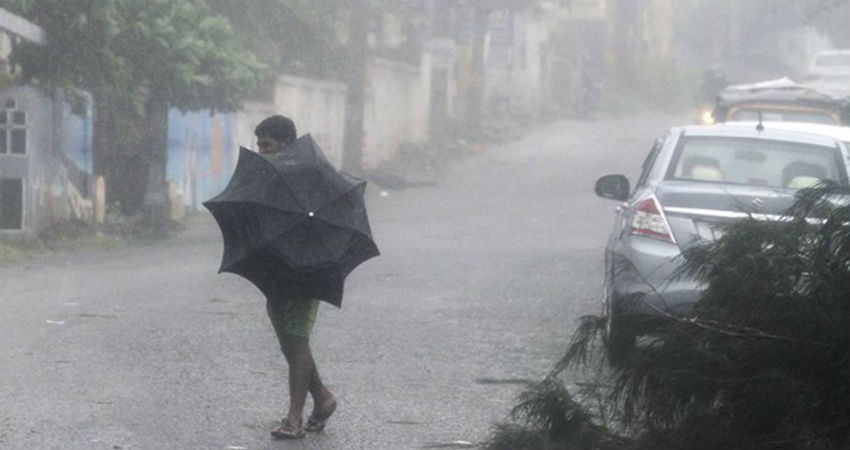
755	162
746	114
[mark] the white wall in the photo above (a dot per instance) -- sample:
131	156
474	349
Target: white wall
317	107
442	53
396	109
522	83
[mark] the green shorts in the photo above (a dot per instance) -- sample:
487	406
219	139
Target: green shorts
293	317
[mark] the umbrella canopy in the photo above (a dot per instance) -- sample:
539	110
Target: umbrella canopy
292	224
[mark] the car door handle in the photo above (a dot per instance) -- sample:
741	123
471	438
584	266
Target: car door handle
620	207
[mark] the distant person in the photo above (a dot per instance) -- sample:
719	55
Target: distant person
293	322
713	81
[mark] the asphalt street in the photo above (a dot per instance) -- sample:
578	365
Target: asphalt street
482	279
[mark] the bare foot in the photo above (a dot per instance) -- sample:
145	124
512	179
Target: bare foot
319	417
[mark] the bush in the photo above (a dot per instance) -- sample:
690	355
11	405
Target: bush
12	251
761	362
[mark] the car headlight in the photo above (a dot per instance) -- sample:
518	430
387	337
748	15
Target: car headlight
706	117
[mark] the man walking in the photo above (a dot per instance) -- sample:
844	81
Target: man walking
293	322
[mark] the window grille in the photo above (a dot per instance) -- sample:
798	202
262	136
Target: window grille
13	130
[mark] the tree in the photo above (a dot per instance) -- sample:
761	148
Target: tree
325	38
761	362
138	58
294	36
337	40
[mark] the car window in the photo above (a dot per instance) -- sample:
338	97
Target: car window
755	162
648	162
749	115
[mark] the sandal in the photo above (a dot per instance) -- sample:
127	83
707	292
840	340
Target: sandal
318	419
287	430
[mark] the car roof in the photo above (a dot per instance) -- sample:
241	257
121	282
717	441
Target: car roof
840	133
782	94
771	131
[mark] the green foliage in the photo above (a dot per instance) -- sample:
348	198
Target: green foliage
549	407
308	37
137	58
762	361
298	36
516	437
77	54
75	234
763	357
7	80
549	417
19	249
134	49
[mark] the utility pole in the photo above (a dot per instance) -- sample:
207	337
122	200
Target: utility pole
475	100
355	90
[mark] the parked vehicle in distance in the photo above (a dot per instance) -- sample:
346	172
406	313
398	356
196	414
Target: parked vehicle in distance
840	133
695	179
780	100
831	63
713	81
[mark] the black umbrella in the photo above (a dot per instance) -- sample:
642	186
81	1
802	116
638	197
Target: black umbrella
292	224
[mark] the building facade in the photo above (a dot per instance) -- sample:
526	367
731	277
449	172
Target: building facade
45	145
45	159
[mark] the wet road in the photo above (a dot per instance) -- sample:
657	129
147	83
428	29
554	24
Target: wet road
481	280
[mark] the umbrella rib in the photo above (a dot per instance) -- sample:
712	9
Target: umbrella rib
260	203
343	194
280	234
260	246
343	227
323	240
337	225
278	174
288	188
304	242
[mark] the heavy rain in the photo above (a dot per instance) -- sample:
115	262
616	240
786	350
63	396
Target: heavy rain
402	224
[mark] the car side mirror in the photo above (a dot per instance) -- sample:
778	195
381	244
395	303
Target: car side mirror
615	187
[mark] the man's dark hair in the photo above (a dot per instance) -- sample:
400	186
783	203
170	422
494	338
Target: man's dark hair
277	127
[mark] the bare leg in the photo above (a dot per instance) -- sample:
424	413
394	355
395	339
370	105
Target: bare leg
303	378
322	397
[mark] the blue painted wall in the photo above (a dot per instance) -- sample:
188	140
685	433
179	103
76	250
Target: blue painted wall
201	154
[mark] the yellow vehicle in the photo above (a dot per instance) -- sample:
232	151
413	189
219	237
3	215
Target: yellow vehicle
780	101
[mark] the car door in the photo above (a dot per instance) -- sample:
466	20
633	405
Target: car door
621	228
620	233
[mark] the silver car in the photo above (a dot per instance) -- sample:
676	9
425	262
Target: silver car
695	179
831	63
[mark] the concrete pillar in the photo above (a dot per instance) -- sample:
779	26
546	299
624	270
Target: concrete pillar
99	199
